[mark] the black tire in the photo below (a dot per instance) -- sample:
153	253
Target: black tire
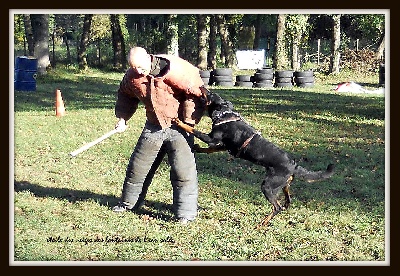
283	80
262	76
222	72
262	84
222	78
284	74
303	74
205	74
224	83
265	71
305	84
283	84
206	81
240	78
265	81
244	83
304	80
382	75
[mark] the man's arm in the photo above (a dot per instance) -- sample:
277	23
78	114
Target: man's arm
126	103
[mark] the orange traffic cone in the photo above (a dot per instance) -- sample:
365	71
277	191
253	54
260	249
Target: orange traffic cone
60	109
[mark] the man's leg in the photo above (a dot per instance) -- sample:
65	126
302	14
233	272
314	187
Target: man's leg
149	177
183	175
142	165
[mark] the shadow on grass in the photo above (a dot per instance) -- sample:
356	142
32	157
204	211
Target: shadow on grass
289	103
155	209
343	189
85	92
80	94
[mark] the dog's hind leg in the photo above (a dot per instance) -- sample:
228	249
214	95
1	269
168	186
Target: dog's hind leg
270	194
285	190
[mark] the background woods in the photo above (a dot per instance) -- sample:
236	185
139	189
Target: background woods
295	41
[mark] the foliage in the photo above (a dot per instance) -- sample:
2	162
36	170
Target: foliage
100	27
61	205
148	30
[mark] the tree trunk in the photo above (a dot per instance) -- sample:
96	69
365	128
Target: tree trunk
67	45
40	28
335	53
202	41
117	43
280	58
29	34
172	35
226	43
212	45
82	62
295	52
381	49
257	32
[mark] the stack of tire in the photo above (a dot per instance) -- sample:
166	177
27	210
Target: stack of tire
244	81
263	77
205	76
283	79
382	75
222	77
304	78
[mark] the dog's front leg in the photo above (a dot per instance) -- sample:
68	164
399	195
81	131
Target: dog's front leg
199	149
198	134
183	126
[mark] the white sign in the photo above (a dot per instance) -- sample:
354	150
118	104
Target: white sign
250	59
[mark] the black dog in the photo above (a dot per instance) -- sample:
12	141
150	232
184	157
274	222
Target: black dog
230	132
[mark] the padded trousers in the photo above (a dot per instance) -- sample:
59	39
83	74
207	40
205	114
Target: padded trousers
153	144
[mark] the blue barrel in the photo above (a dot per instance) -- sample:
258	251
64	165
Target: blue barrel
25	73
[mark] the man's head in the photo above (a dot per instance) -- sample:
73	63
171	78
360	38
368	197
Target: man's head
139	60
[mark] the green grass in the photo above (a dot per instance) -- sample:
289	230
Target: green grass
61	209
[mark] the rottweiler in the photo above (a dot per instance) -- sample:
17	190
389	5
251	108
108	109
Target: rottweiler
232	133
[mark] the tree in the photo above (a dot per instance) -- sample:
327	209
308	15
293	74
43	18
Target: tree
172	35
296	25
100	34
381	48
29	34
40	30
202	41
226	43
82	61
257	32
335	52
280	58
212	44
65	26
118	43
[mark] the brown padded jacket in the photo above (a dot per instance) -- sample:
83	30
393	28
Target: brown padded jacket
174	94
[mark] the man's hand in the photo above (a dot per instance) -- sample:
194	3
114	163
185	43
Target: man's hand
121	126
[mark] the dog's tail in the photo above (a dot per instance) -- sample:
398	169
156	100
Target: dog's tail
311	176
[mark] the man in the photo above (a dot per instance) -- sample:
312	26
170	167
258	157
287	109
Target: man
169	87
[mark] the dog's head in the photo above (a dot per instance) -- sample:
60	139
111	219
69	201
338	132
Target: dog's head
215	103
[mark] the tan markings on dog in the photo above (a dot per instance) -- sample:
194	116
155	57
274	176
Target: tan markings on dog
184	126
290	179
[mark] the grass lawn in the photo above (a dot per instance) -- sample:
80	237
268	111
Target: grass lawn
61	205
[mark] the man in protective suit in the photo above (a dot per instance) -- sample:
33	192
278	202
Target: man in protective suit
169	87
